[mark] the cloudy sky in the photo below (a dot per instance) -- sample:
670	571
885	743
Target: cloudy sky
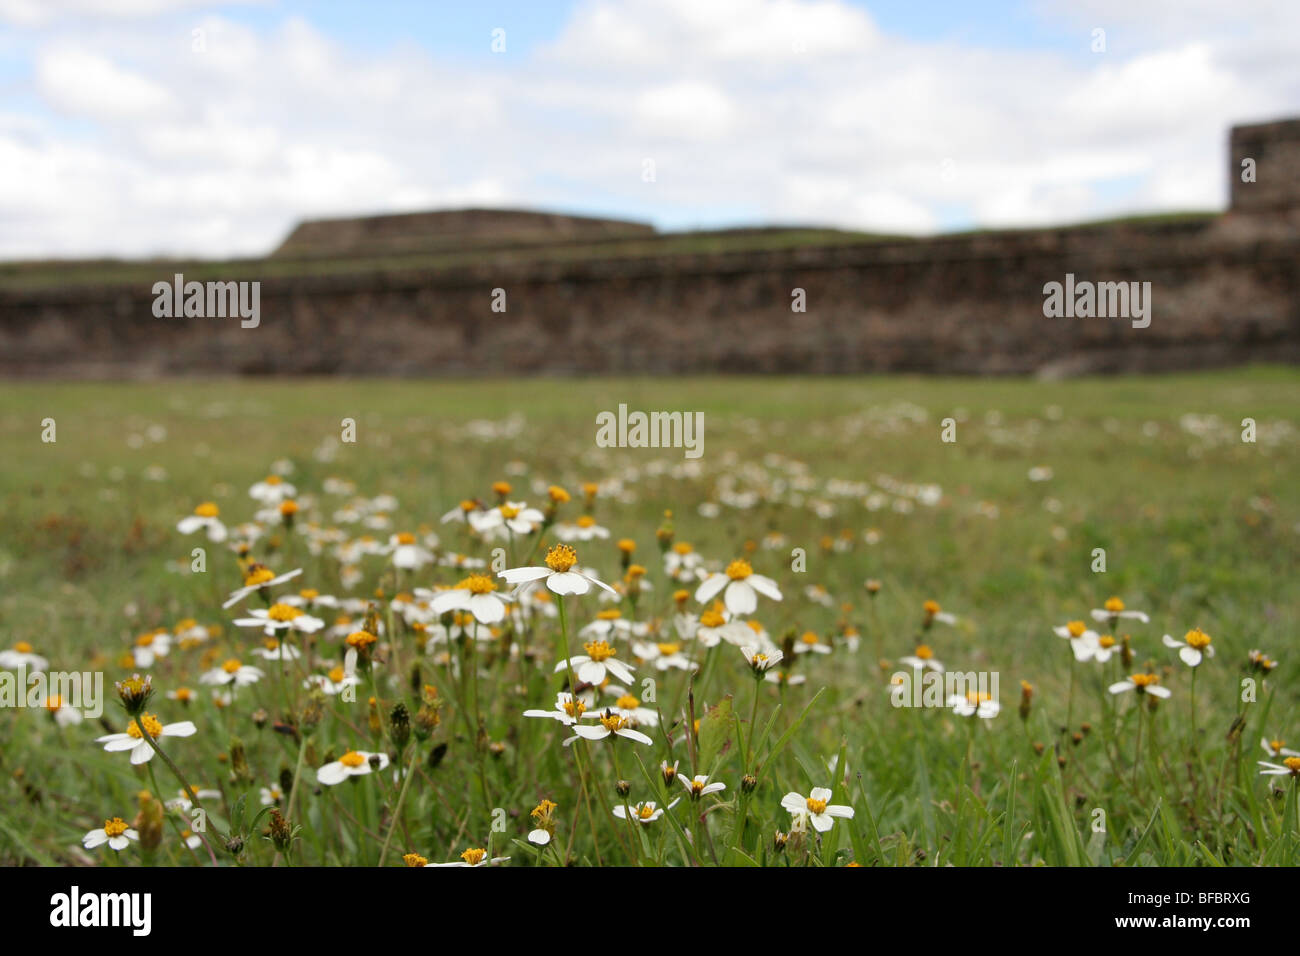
137	127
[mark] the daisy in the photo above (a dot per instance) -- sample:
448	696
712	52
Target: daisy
663	656
712	628
407	554
923	659
205	516
584	529
333	682
461	512
760	660
599	660
1195	646
473	857
643	813
626	705
810	643
1277	748
259	576
310	598
185	798
272	490
271	795
682	561
114	832
63	715
1113	610
474	594
354	763
542	815
567	710
275	650
612	622
934	613
1105	648
699	786
1291	766
1142	683
232	672
559	574
742	587
973	704
818	809
1082	640
133	741
281	617
21	656
611	724
511	517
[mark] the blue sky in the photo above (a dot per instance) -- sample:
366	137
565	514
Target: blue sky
895	116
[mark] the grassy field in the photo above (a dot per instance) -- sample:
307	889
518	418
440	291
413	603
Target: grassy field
820	484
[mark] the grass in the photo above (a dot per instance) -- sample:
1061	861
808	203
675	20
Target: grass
1199	530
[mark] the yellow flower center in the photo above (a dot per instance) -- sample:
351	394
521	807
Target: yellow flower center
611	615
478	584
22	647
414	859
646	811
599	650
473	857
561	558
635	571
808	637
667	650
557	494
1292	764
586	521
574	708
739	569
151	724
361	639
924	652
352	759
626	545
115	827
1106	641
53	702
501	487
931	608
144	640
759	659
406	538
711	619
282	612
271	644
1277	745
288	507
207	510
1197	638
544	809
613	722
309	594
258	574
1114	605
627	702
1076	628
682	548
336	674
509	511
273	479
1145	680
467	505
816	806
231	665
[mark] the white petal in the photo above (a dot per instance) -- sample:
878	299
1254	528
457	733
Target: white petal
740	598
331	774
518	575
568	582
1191	656
487	608
764	586
711	586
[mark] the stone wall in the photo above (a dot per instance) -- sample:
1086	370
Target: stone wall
1225	290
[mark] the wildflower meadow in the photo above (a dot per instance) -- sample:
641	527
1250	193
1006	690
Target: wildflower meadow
873	622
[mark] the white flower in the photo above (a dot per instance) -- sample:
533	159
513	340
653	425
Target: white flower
663	656
232	672
611	724
133	741
475	594
271	795
281	617
711	628
923	659
473	858
584	529
742	587
566	711
810	643
1142	683
149	647
510	517
820	812
625	705
760	660
559	574
275	650
407	554
591	668
612	623
1289	766
643	813
354	763
258	577
1277	748
205	516
1083	642
1114	610
699	786
1195	646
974	705
114	832
336	680
272	490
185	799
21	657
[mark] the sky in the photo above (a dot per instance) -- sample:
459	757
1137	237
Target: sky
132	128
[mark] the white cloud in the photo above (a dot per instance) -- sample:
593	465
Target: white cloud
752	110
